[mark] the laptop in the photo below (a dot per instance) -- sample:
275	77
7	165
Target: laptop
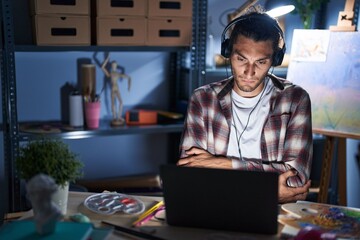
231	200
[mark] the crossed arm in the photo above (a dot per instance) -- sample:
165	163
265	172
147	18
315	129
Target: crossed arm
197	157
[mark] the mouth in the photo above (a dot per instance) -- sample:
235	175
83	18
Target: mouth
249	81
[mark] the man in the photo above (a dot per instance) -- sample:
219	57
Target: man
253	120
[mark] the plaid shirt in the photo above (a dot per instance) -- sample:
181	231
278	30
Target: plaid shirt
286	139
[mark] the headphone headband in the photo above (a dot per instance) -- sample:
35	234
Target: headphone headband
225	42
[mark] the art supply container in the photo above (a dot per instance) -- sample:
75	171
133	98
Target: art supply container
88	80
92	114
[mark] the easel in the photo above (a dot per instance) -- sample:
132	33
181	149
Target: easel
345	19
332	139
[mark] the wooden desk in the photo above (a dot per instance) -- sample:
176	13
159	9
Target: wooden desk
161	229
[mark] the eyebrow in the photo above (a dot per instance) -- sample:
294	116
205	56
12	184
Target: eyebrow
260	59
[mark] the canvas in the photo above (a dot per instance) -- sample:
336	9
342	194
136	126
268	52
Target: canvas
326	64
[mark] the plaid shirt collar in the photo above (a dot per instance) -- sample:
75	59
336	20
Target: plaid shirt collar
224	96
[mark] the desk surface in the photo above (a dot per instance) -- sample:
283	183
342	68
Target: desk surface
161	229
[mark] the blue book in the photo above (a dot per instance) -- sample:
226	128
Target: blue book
26	230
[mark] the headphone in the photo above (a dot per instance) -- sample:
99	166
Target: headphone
278	55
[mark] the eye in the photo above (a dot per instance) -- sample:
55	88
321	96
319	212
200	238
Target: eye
240	59
262	62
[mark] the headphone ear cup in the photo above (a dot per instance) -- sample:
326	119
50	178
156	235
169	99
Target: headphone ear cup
278	57
225	50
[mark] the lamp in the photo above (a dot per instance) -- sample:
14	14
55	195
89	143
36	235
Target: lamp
278	8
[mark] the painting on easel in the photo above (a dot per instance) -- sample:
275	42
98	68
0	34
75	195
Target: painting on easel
327	65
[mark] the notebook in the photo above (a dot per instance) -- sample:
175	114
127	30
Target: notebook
26	229
234	200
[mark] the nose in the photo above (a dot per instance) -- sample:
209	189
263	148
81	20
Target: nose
249	69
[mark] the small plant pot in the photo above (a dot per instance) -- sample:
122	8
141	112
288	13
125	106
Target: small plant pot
60	197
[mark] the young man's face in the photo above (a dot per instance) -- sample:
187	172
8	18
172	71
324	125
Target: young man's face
250	62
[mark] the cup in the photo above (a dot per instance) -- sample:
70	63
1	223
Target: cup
92	114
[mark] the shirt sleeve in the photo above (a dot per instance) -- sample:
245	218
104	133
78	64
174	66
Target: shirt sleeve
194	132
298	147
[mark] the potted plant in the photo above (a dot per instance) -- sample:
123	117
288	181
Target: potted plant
306	9
51	157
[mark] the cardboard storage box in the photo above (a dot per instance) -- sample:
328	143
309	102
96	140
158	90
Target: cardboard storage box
124	30
170	8
121	7
62	30
169	32
77	7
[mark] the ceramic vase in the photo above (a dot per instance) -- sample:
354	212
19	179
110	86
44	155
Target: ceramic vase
60	197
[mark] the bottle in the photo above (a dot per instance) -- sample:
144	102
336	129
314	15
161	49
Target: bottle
76	109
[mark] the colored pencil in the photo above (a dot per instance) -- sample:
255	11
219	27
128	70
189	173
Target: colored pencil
133	232
148	213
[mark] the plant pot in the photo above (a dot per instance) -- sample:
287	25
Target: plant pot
60	197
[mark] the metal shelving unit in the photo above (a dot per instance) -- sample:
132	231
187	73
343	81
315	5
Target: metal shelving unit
106	130
12	135
32	48
9	107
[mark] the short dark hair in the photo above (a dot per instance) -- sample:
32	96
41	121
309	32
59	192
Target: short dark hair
258	27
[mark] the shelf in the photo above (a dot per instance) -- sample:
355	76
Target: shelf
35	48
28	131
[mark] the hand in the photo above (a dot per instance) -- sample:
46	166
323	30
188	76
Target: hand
291	194
200	158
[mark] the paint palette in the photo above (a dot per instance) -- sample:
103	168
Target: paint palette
110	203
344	222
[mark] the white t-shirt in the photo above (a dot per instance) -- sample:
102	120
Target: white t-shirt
248	117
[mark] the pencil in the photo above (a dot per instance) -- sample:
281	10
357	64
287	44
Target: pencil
148	213
133	232
148	217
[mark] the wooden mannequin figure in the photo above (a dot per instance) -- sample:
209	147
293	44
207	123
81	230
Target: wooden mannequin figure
114	76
